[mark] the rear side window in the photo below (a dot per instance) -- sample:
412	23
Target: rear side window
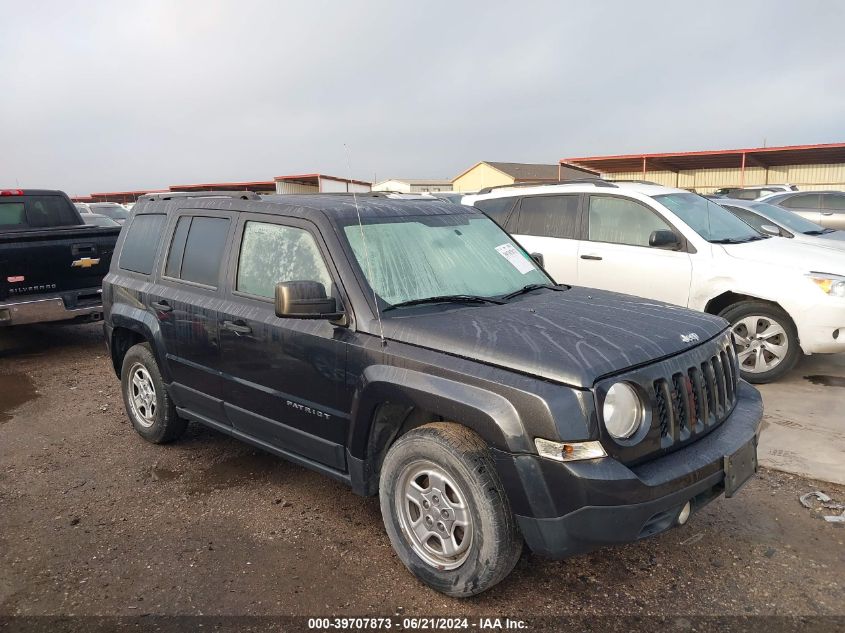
173	268
802	201
497	208
141	243
12	214
549	216
835	202
197	249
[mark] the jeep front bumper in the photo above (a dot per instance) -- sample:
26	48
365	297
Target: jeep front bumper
568	508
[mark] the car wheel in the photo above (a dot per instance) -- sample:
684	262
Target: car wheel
150	409
445	510
766	340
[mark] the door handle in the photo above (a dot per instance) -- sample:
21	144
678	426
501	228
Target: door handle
596	258
238	327
827	212
162	306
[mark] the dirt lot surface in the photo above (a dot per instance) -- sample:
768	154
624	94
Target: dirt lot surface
95	521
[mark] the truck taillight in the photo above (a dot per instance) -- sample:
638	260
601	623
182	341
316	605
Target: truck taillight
11	192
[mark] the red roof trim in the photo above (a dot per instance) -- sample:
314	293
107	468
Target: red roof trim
715	152
253	183
318	176
138	192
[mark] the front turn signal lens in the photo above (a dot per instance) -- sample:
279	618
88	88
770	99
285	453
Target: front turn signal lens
569	451
832	285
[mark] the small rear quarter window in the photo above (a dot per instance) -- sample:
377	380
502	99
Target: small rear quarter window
141	243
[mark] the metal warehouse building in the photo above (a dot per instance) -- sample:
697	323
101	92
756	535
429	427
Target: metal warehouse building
493	174
319	183
809	167
413	185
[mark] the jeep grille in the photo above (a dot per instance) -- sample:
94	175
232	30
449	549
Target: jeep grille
691	401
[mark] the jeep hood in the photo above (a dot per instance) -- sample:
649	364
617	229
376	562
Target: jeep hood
574	336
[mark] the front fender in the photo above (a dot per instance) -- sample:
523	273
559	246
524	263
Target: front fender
489	414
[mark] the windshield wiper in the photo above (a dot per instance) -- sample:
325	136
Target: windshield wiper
734	240
445	299
531	287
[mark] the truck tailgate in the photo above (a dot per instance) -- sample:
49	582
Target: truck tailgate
40	261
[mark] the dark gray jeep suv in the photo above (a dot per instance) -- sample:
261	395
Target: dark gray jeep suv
412	349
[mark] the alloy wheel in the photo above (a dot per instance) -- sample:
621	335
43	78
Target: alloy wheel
762	343
142	396
434	515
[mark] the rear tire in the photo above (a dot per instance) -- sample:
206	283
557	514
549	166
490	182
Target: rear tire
766	340
148	405
465	540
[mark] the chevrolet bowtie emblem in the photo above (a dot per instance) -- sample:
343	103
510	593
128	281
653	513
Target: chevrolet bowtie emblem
85	262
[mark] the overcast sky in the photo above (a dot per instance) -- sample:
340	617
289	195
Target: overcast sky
105	96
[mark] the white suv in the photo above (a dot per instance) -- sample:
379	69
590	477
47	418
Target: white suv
678	247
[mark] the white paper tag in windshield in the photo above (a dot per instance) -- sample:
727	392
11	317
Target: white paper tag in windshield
515	257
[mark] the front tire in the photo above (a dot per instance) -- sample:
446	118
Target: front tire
446	512
766	340
148	405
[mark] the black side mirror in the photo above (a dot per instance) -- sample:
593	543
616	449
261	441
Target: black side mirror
305	300
538	259
663	239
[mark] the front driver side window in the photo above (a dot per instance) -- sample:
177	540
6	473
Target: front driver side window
622	221
753	220
271	253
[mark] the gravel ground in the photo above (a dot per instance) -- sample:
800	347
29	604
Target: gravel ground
95	521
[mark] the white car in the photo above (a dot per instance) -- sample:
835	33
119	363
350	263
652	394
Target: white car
678	247
774	220
753	192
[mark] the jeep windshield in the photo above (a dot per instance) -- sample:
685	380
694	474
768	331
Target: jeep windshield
461	258
711	221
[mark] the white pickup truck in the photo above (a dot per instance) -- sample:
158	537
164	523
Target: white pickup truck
671	245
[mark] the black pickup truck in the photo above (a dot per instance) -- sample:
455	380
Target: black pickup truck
51	263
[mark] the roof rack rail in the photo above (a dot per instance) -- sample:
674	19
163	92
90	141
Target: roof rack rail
598	182
367	194
173	195
637	182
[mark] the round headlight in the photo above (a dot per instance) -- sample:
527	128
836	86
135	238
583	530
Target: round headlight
623	411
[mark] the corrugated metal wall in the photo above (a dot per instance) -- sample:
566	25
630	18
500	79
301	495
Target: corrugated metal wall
809	177
283	186
330	185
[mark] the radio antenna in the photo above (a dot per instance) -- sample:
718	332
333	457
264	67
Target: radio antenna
364	242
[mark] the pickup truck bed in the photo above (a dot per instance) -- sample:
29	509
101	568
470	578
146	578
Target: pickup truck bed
53	273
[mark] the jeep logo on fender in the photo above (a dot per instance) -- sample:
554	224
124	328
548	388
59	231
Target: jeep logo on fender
692	337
